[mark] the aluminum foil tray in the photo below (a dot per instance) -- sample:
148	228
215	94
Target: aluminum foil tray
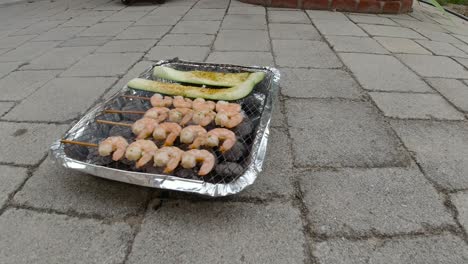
234	171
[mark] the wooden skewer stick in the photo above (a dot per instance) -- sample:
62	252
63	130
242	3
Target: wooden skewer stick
113	123
85	144
136	97
112	111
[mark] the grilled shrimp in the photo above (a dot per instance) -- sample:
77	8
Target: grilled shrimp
157	113
191	157
180	115
225	135
158	100
191	134
169	157
142	150
167	131
144	127
223	106
182	102
116	144
228	119
200	104
203	117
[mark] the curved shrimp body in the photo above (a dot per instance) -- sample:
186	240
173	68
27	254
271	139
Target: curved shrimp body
228	119
113	144
158	100
168	157
157	113
223	106
203	117
200	104
191	157
144	127
141	150
180	115
182	102
167	131
216	135
193	135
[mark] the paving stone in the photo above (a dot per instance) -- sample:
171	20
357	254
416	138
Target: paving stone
298	17
389	31
64	190
5	106
304	53
59	58
442	48
461	46
401	45
128	45
71	97
60	33
186	40
444	248
170	10
246	10
454	90
14	41
240	231
242	40
440	148
38	28
358	201
27	143
212	4
11	179
460	200
372	20
85	41
191	53
415	106
438	36
105	29
159	20
125	16
462	61
326	15
18	85
33	237
434	66
28	51
206	27
461	37
204	15
293	31
338	27
83	21
241	58
383	73
103	64
355	44
7	67
340	134
318	83
244	22
144	32
135	71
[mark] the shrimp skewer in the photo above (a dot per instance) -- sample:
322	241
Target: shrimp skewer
181	102
168	132
157	113
180	115
156	100
169	157
191	157
203	117
194	135
201	104
141	151
216	135
223	106
228	119
115	145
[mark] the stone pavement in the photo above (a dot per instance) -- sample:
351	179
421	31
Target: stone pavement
367	161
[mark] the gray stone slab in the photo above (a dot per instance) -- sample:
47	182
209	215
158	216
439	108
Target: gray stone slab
444	248
246	10
171	10
204	15
242	58
440	148
136	70
291	17
28	51
442	48
105	29
7	67
389	31
453	90
38	28
187	40
338	27
103	64
438	36
318	83
304	53
71	97
27	143
462	61
460	200
415	106
59	58
240	231
191	53
14	41
11	179
5	107
125	16
144	32
434	66
355	44
359	201
242	40
60	33
293	31
365	19
33	237
383	73
203	27
54	187
401	45
461	37
244	22
461	46
86	20
85	41
159	20
209	4
341	134
326	15
128	45
18	85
